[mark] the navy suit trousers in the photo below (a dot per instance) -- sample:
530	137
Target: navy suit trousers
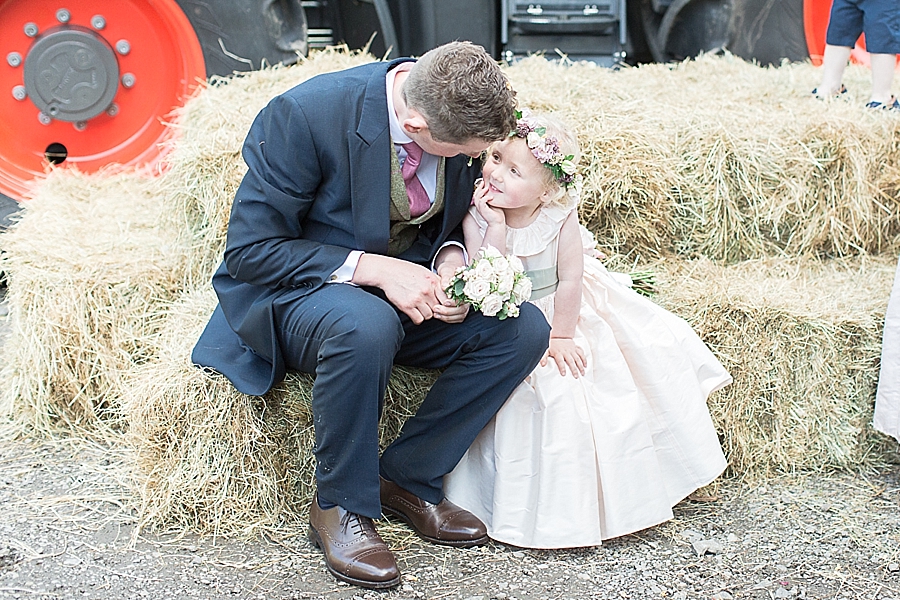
350	338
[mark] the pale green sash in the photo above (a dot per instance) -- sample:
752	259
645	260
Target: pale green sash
543	282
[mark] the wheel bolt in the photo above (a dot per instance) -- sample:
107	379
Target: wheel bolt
112	110
63	16
98	22
80	125
123	47
128	80
31	29
19	93
44	118
14	59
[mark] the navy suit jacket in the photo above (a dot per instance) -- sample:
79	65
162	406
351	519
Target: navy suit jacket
317	187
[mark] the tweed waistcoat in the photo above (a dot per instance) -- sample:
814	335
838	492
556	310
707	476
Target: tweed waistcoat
404	229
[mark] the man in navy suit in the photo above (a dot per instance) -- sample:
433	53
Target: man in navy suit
333	268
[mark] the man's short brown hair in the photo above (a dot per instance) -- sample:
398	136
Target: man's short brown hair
462	93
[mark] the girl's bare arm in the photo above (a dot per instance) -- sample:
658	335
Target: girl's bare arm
567	304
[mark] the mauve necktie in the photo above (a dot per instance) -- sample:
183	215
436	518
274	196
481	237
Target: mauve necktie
418	197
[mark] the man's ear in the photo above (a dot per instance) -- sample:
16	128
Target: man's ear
414	122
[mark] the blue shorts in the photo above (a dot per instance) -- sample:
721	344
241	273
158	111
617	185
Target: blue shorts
879	19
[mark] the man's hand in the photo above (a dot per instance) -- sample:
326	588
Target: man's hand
565	351
448	310
411	288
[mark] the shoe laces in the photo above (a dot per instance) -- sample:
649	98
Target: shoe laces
356	524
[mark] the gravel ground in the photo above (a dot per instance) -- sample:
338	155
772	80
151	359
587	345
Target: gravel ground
68	523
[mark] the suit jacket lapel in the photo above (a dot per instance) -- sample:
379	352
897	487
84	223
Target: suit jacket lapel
370	167
458	192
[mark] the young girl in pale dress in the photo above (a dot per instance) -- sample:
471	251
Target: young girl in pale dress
611	430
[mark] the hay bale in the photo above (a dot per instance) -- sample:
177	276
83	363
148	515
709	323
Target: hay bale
209	458
752	166
802	339
87	268
672	167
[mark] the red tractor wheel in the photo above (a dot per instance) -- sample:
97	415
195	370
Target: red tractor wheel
90	85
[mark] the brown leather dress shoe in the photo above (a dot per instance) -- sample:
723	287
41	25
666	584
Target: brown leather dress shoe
354	552
444	523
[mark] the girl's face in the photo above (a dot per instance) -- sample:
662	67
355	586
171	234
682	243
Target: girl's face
515	178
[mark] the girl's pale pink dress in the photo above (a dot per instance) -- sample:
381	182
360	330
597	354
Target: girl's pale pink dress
571	462
887	400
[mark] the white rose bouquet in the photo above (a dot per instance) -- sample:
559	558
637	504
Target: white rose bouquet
494	284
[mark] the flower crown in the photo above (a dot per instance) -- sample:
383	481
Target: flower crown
546	149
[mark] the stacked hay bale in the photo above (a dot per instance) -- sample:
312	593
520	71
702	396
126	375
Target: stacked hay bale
89	271
692	169
207	456
802	339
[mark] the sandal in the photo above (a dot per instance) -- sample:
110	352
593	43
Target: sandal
893	104
839	93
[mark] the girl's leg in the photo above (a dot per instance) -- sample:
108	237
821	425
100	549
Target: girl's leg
845	23
882	77
834	61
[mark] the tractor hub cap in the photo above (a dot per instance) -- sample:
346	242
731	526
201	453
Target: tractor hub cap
71	74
